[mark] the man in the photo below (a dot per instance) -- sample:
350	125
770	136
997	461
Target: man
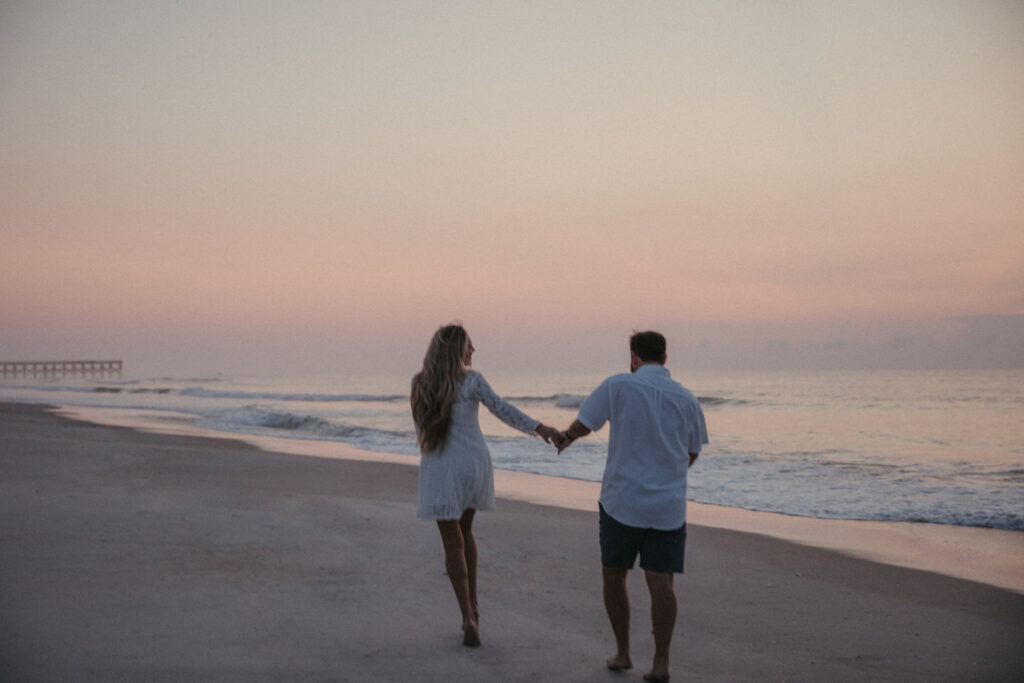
657	430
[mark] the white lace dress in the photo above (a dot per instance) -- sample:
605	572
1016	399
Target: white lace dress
458	476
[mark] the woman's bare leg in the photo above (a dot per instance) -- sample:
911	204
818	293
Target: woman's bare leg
458	574
469	544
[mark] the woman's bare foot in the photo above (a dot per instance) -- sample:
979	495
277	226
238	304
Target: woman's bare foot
652	677
619	663
470	634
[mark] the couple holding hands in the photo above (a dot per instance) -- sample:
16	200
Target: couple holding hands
657	430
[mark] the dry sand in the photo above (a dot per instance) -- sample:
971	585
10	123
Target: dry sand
132	556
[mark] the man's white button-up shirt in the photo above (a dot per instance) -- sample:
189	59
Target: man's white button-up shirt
655	424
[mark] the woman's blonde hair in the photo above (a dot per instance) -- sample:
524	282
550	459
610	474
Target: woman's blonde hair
435	387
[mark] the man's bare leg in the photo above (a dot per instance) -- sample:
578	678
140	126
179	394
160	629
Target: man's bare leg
469	544
616	603
458	574
663	620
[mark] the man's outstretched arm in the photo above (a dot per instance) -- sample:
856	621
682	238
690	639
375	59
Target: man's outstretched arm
575	431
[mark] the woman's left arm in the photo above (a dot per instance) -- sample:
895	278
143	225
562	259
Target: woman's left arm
505	411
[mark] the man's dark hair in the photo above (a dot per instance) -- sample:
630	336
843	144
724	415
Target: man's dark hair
648	346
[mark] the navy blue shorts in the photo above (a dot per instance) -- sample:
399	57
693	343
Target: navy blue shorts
660	551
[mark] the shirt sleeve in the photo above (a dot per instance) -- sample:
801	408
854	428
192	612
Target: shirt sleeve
481	391
699	434
596	408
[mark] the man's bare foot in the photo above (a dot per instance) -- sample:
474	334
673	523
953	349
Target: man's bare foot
658	672
470	635
619	663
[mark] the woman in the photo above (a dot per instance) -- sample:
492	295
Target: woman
456	478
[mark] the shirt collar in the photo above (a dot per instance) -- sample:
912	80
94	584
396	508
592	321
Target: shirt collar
652	369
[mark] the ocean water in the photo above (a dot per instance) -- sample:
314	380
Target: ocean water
940	447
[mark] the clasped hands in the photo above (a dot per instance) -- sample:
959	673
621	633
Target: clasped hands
561	440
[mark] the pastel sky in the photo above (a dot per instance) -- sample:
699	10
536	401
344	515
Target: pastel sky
242	186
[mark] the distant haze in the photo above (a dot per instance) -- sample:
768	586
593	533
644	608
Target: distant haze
315	186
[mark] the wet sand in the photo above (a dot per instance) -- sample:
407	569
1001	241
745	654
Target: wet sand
992	556
129	555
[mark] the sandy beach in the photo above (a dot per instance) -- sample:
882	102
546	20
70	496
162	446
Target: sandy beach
130	555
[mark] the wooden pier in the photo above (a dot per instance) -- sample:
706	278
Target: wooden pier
54	368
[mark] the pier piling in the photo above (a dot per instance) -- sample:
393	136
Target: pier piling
54	368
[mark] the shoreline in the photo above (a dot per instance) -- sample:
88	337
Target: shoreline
133	555
994	557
